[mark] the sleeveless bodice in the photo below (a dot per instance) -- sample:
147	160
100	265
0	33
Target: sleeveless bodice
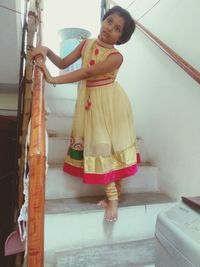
94	53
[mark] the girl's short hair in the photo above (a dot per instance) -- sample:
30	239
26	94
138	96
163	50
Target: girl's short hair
129	25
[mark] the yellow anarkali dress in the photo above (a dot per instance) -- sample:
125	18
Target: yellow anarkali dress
102	145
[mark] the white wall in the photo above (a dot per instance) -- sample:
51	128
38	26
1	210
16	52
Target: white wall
166	104
8	104
175	22
10	44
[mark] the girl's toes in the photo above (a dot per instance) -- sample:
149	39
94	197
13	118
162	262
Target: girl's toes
115	219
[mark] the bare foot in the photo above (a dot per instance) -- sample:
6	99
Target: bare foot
111	211
103	203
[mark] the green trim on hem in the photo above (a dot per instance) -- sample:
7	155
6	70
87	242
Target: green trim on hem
76	154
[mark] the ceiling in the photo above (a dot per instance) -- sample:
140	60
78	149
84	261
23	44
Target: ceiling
10	44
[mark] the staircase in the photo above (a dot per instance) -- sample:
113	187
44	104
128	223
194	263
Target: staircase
75	232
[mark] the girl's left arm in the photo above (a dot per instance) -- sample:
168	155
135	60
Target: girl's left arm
111	63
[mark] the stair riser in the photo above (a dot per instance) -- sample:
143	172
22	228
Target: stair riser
61	124
61	185
61	107
72	231
61	91
57	150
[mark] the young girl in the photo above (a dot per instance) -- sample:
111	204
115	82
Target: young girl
102	148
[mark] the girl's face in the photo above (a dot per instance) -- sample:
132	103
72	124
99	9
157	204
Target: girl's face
112	29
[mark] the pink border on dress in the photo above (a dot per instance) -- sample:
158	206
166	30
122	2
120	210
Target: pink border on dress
90	178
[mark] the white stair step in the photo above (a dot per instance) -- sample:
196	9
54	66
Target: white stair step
142	149
80	227
61	91
61	107
60	124
58	148
62	185
129	254
89	203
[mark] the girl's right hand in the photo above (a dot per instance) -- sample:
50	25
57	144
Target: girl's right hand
40	63
39	51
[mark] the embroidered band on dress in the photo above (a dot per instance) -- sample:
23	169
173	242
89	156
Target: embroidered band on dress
93	83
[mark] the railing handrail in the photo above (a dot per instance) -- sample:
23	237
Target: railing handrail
37	171
37	168
195	74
